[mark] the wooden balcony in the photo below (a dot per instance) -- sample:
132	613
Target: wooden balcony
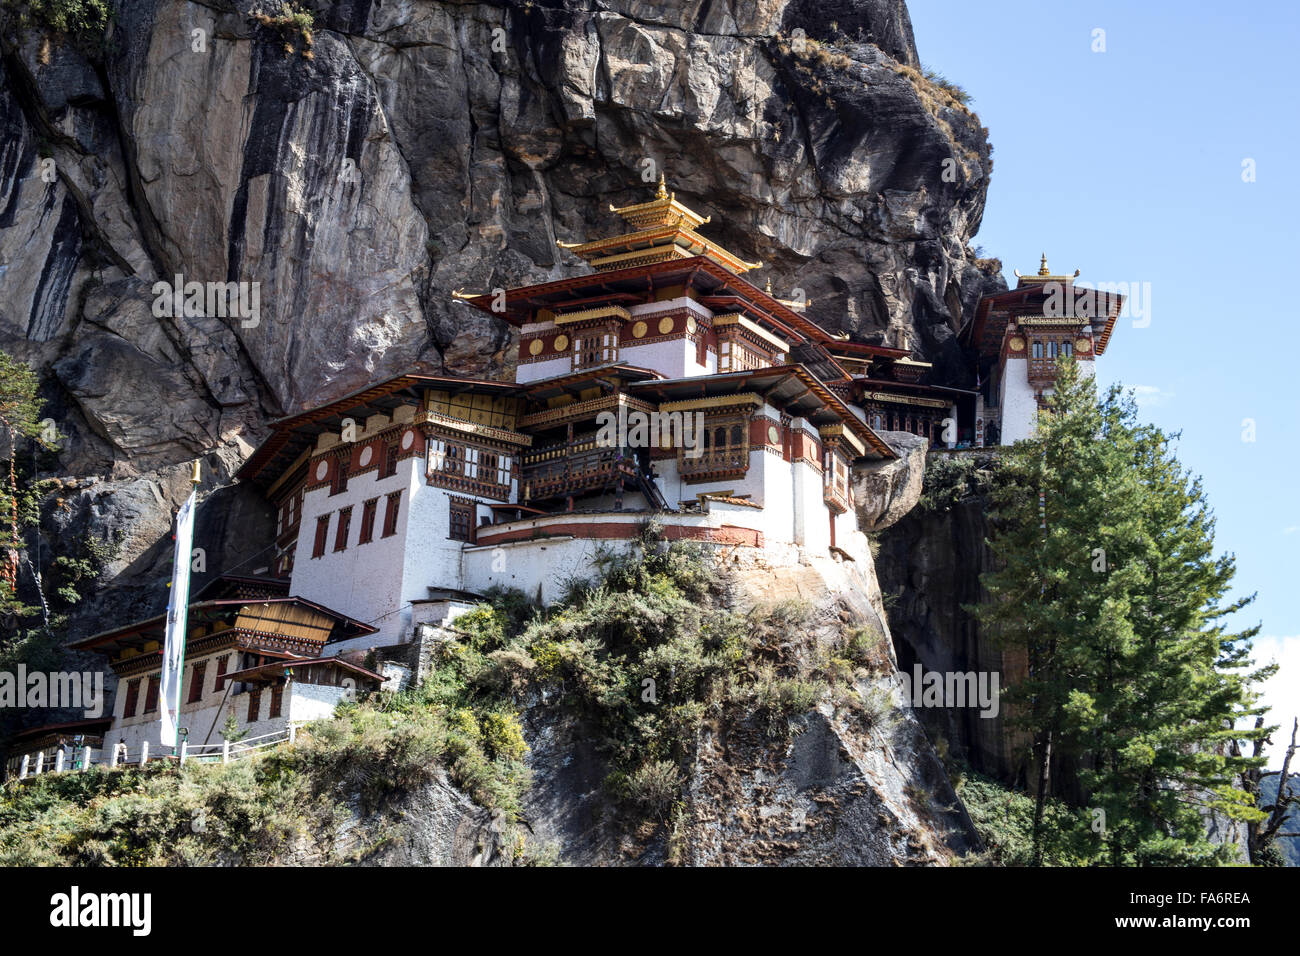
456	480
561	470
714	464
839	500
1042	371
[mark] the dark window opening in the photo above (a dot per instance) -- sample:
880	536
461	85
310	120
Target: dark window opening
390	461
339	481
462	520
196	681
322	532
368	511
132	697
390	515
345	523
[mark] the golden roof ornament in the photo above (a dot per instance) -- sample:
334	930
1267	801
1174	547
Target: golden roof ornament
658	231
1044	274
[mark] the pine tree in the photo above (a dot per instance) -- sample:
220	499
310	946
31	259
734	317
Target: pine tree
1108	585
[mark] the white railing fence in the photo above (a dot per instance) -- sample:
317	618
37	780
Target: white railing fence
69	759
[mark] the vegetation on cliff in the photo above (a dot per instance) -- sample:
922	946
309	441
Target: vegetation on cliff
643	655
32	617
1109	586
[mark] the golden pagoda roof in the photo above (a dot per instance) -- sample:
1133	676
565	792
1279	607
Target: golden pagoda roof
661	229
1044	275
663	210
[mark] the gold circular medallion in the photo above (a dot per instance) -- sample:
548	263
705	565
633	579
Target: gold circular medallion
773	435
1017	344
665	325
535	347
1082	345
690	324
561	343
639	330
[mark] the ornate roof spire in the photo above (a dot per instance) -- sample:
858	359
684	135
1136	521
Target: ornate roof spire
1044	275
663	188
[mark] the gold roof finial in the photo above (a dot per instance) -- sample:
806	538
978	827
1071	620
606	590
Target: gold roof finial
1044	275
768	288
662	192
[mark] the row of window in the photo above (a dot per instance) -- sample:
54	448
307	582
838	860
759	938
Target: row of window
594	347
467	461
197	674
922	425
740	355
196	693
369	512
387	468
1052	349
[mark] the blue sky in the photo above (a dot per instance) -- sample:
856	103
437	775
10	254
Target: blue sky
1128	165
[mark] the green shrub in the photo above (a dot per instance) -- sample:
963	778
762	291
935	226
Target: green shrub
1004	819
653	787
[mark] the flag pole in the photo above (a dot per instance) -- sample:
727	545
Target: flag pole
177	619
195	478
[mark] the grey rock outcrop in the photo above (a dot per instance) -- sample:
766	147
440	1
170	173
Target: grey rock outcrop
855	781
884	491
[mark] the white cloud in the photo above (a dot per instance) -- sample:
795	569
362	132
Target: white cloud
1292	529
1281	693
1149	396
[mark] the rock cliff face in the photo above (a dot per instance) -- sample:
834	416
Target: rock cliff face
360	171
413	148
929	566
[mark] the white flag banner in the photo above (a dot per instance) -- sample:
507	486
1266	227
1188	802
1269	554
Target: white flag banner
177	608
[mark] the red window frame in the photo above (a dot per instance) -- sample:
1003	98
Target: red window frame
345	525
197	674
322	535
391	451
369	510
254	701
132	697
390	514
460	522
151	694
339	480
